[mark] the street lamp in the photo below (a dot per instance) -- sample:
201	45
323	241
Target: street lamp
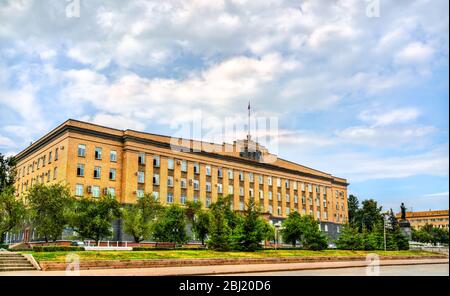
277	227
387	224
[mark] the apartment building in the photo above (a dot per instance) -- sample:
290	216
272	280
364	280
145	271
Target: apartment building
437	218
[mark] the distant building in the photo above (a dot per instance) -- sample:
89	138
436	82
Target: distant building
438	218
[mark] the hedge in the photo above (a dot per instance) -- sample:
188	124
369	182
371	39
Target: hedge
56	248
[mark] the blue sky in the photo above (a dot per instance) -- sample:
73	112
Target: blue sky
361	97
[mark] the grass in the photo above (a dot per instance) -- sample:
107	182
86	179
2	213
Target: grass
196	254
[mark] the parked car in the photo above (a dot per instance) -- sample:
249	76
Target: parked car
77	244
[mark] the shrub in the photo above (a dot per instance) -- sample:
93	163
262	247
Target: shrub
56	248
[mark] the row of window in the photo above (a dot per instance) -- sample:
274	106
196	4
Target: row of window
97	153
94	190
97	173
40	162
42	178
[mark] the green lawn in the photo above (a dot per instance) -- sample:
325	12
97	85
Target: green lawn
197	254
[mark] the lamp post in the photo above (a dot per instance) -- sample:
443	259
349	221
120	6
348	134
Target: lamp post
386	224
277	227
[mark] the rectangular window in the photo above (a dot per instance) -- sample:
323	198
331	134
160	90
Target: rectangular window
279	211
278	182
303	199
286	183
251	193
48	176
98	153
55	173
295	198
141	177
196	185
230	174
219	188
208	170
288	198
97	172
183	199
56	153
140	193
230	189
111	191
155	179
96	191
113	155
156	195
241	176
278	196
241	191
208	187
169	197
288	211
50	157
196	168
295	185
81	150
309	187
195	197
43	160
183	183
241	205
79	190
80	170
208	201
270	195
112	174
184	166
250	177
38	163
260	179
156	161
270	209
169	181
261	194
303	186
170	164
141	158
219	173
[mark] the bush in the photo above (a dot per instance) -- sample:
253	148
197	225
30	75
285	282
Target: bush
4	246
56	248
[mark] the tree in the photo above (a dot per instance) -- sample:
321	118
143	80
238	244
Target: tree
7	172
312	238
49	209
192	208
219	230
201	225
353	209
93	217
369	215
172	226
12	212
139	218
251	231
350	238
292	229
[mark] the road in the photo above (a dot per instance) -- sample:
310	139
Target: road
407	270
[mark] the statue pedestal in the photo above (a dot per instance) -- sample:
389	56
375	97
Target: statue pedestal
405	228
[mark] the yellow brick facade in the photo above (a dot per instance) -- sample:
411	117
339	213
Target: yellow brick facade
285	186
438	218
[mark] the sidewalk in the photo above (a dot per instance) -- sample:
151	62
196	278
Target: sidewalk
223	269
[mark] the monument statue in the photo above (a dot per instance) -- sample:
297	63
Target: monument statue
403	209
405	227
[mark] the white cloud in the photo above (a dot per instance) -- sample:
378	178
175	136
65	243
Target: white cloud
415	53
115	121
389	117
6	142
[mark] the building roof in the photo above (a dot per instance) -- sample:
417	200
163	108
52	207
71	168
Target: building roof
422	214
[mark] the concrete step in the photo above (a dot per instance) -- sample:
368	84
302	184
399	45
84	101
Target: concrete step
14	264
14	261
16	268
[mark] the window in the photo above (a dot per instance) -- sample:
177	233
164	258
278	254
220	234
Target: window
278	196
219	188
141	158
183	199
270	195
230	189
170	181
48	176
79	190
196	168
195	198
278	182
286	182
112	174
80	170
208	201
170	164
295	185
97	172
338	230
318	214
219	173
169	197
325	215
230	174
295	198
96	191
250	177
208	170
288	198
309	187
241	205
241	176
270	209
111	191
196	185
43	160
38	163
260	179
81	150
156	195
279	211
269	181
55	173
156	161
184	166
183	183
140	193
155	179
288	211
56	153
261	194
241	191
113	155
98	153
50	157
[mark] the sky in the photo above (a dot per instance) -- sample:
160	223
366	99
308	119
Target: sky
358	88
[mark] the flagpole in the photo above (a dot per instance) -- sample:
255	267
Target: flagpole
248	136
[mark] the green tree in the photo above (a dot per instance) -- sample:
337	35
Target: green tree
12	212
93	217
49	209
350	238
219	230
353	209
252	230
192	208
312	238
171	227
292	230
201	225
7	172
138	219
370	214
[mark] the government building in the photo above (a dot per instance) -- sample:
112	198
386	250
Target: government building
95	160
437	218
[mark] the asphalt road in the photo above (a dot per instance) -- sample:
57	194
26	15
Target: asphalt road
406	270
